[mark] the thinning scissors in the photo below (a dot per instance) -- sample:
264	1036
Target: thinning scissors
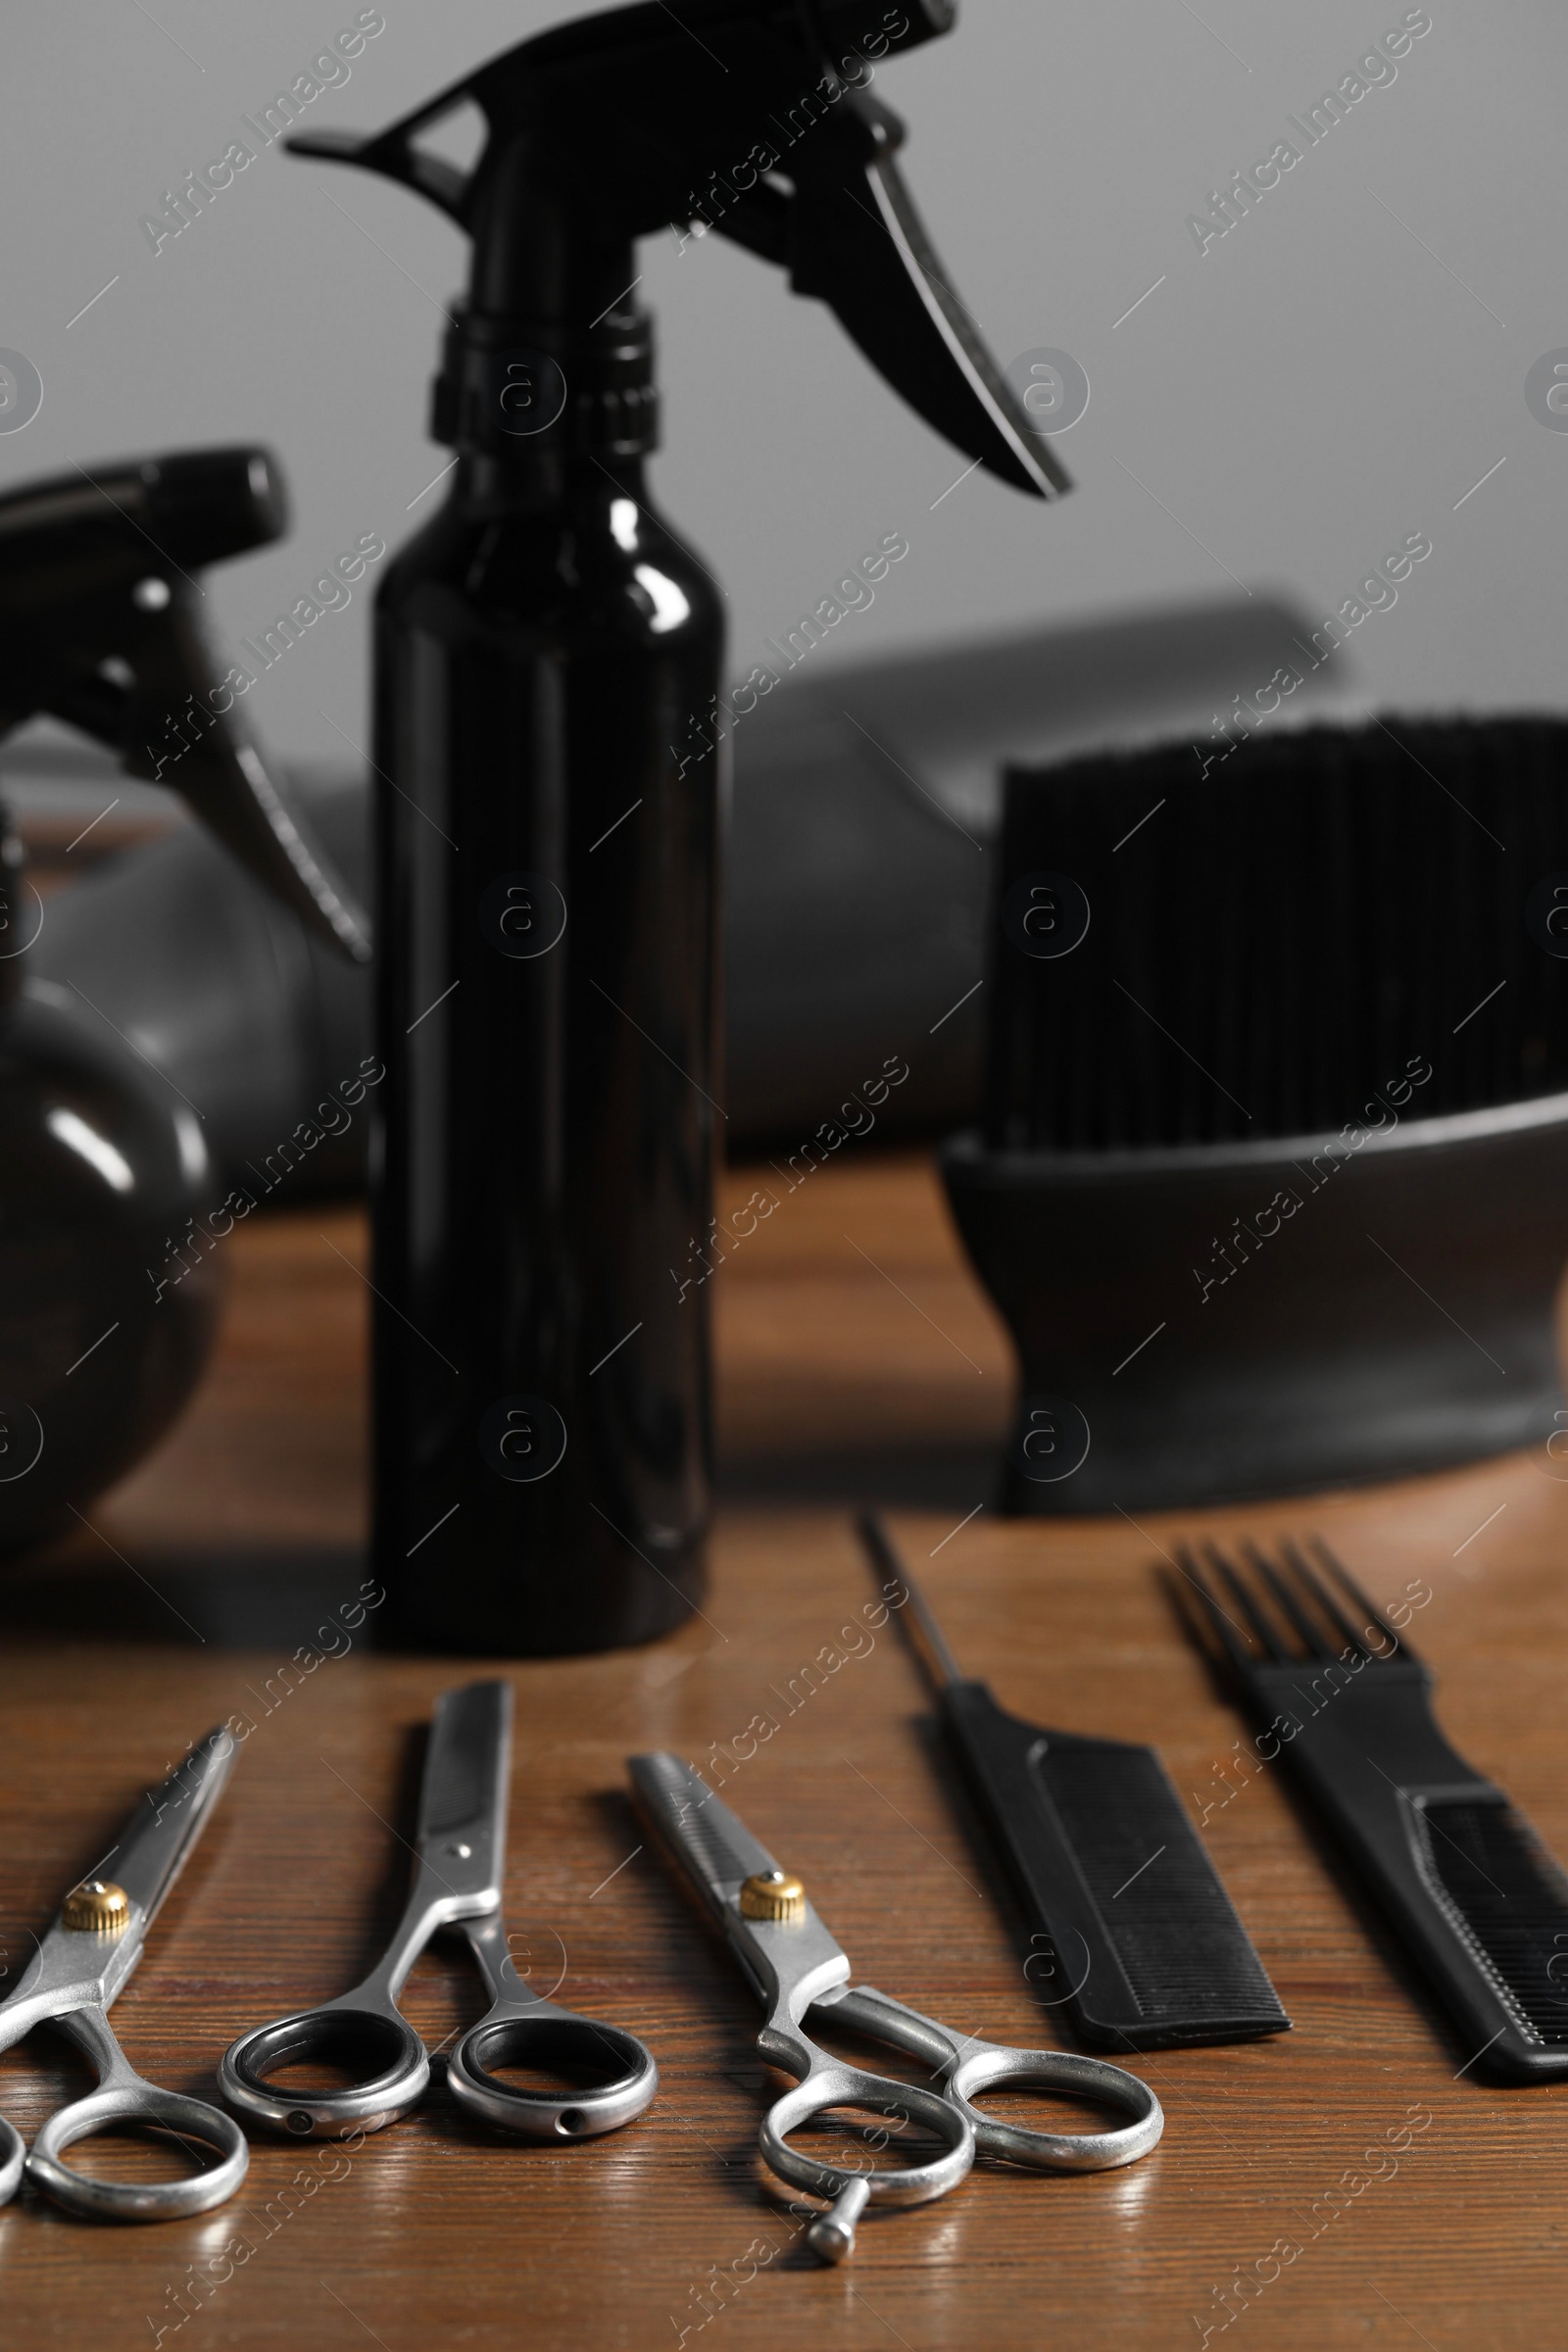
460	1852
793	1965
75	1975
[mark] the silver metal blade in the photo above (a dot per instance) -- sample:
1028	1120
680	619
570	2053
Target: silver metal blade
73	1969
156	1842
713	1846
462	1798
788	1963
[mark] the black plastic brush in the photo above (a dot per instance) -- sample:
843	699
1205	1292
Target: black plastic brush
1278	1060
1105	1864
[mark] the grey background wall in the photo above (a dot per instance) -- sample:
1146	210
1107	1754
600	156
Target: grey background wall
1283	408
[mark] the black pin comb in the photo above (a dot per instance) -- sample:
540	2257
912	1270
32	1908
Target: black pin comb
1461	1878
1107	1868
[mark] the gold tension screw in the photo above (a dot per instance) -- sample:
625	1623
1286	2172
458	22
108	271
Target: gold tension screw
772	1895
97	1907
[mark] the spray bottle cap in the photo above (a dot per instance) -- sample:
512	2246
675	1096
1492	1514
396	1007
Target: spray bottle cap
747	116
99	627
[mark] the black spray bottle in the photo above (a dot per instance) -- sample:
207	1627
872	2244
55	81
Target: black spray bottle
108	1299
548	671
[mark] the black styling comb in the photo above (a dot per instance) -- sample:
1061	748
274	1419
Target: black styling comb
1461	1879
1107	1868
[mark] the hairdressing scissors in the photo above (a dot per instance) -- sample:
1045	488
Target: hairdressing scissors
456	1882
793	1965
75	1975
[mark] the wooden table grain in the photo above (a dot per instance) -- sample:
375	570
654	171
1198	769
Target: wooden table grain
1356	2183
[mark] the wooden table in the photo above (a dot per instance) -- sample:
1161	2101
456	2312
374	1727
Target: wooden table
859	1360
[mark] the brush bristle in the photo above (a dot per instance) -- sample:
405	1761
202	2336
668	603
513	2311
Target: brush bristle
1284	935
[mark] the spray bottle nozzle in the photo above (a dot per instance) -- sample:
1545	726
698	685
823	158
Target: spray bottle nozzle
99	627
749	117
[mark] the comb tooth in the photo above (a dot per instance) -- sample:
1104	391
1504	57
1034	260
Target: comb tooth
1312	1639
1223	1627
1374	1615
1261	1628
1322	1596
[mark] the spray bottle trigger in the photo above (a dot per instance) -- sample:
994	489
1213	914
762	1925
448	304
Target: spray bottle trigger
393	154
857	243
100	627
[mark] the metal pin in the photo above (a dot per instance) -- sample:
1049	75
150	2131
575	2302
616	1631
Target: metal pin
832	2234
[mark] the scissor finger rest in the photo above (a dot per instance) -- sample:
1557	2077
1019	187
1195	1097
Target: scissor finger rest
129	2101
831	2085
612	2075
989	2067
378	2047
969	2065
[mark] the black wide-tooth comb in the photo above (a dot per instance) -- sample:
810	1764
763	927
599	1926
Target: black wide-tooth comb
1468	1889
1106	1866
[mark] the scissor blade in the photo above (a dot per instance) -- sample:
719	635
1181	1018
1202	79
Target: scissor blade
713	1846
154	1845
72	1968
462	1798
789	1964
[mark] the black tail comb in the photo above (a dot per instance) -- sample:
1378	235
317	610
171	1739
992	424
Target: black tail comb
1133	1932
